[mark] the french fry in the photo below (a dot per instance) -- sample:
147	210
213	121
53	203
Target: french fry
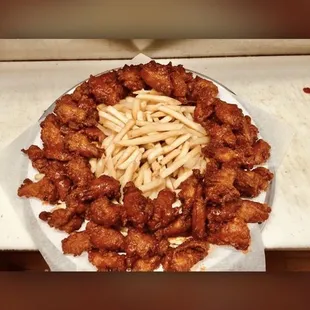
166	119
93	164
110	125
110	167
128	151
151	185
39	176
100	167
154	128
201	140
147	178
185	175
117	114
170	156
135	108
111	118
106	131
157	98
130	159
179	141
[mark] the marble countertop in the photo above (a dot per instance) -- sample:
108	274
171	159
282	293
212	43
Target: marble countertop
272	83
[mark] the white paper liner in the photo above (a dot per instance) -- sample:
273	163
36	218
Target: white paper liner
14	167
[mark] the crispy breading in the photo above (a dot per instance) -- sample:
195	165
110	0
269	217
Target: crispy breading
81	91
157	76
220	135
146	264
198	84
74	204
37	157
163	212
80	144
105	238
107	261
138	208
253	212
204	106
102	186
229	114
78	170
45	190
138	244
180	226
130	77
248	132
93	134
261	152
251	183
76	243
105	213
62	219
199	214
235	233
223	213
185	256
180	79
106	89
53	140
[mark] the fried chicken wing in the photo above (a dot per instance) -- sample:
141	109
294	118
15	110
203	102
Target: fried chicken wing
106	89
204	106
105	238
37	157
130	77
185	256
261	152
74	204
76	243
223	213
181	225
188	191
146	264
221	135
229	114
199	215
251	183
44	190
235	233
107	261
163	212
105	213
102	186
79	144
78	171
138	208
157	76
81	91
62	219
138	244
248	132
93	134
180	80
219	186
53	140
76	115
253	212
198	84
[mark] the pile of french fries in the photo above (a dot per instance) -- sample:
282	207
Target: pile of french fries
151	140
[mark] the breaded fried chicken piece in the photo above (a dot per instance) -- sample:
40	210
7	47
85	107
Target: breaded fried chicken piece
219	186
157	76
146	264
62	219
221	135
106	88
185	256
178	227
37	157
81	91
105	238
223	213
188	191
253	212
261	152
78	170
229	114
76	243
44	190
105	213
76	115
130	77
199	214
163	213
248	132
138	208
205	105
102	186
74	204
138	244
107	261
235	233
53	140
198	84
251	183
79	144
93	134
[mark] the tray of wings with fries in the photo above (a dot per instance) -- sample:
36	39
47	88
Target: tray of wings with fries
149	167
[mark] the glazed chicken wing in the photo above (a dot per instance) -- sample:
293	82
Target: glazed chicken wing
157	76
235	233
130	77
107	261
79	144
186	255
138	208
44	190
105	213
76	243
53	140
163	212
102	186
106	88
105	238
78	170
